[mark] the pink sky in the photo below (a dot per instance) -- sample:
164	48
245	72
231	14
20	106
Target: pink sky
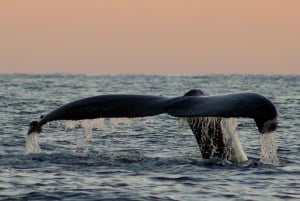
150	37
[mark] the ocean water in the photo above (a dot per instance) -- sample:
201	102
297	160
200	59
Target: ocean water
144	158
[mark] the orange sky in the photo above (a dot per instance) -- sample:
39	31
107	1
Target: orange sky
150	36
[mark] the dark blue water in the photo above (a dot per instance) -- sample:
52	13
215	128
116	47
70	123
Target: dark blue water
150	159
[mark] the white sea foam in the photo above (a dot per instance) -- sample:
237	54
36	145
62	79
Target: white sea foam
32	143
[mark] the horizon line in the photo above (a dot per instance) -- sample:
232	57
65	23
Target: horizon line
154	74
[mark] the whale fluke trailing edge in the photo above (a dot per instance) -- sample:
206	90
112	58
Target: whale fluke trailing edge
193	104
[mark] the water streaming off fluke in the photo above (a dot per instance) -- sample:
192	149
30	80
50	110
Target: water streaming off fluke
32	143
268	149
228	126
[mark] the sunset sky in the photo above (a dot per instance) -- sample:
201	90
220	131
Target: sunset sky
150	36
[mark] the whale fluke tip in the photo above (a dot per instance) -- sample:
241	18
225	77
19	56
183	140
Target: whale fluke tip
34	127
267	126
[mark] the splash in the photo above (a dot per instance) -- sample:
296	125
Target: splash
32	143
268	149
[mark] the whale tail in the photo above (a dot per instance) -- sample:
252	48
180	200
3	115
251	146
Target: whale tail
205	114
193	104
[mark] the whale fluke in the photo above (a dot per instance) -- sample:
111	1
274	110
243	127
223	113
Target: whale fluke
193	104
207	116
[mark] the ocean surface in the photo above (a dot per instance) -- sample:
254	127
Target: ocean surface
144	158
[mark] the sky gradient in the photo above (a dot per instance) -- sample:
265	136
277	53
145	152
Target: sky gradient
150	37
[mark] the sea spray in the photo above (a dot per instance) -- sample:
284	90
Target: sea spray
32	143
